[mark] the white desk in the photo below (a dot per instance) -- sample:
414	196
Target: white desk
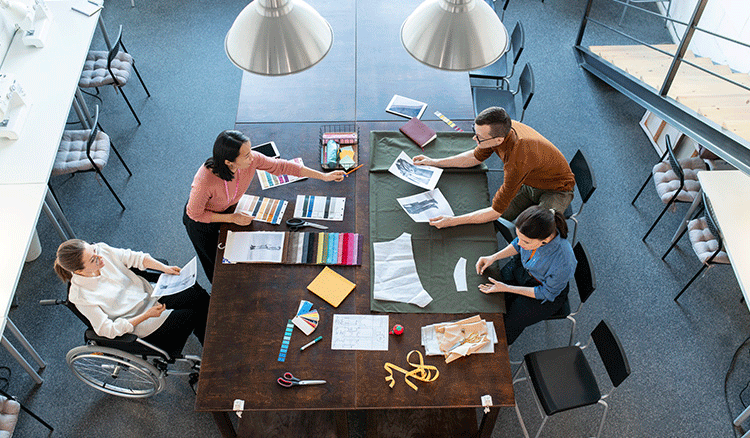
49	75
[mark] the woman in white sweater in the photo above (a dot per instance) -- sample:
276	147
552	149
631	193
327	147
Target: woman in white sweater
116	301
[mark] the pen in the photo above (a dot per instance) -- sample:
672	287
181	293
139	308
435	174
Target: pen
311	342
347	173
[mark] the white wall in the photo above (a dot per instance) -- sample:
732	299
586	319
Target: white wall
730	18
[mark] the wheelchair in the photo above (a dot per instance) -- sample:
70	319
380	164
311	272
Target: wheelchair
126	366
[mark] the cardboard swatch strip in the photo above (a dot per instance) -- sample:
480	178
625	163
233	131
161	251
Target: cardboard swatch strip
262	209
268	180
319	207
285	342
324	249
306	319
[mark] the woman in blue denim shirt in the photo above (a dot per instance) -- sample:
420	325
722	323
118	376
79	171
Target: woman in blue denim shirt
536	278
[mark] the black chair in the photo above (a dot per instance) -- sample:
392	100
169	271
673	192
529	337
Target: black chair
111	68
665	174
585	284
86	151
499	69
485	97
562	378
586	184
705	239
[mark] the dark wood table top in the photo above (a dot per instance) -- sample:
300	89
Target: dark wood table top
251	303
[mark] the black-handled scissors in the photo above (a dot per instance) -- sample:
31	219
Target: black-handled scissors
288	380
295	224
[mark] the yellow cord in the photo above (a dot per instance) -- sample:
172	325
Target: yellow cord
420	372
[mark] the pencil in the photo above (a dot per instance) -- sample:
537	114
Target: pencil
347	173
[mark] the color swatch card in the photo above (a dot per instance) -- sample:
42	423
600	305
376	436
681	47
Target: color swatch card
331	286
306	318
319	207
262	209
268	180
285	341
324	249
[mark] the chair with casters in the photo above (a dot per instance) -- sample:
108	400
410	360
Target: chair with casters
86	151
125	366
111	68
562	378
498	70
485	97
676	181
586	184
705	239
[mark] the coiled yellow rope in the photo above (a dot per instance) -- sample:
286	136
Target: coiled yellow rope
420	372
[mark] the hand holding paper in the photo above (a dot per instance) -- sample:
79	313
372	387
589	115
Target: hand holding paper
170	284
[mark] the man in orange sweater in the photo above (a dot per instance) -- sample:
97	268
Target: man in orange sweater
535	172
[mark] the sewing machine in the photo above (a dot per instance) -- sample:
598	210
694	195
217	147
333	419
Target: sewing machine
14	106
32	21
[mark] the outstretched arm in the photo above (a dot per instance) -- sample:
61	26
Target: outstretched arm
464	159
476	217
336	175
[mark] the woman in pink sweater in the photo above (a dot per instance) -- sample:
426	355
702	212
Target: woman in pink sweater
220	183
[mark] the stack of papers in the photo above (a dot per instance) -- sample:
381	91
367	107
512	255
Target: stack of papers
459	338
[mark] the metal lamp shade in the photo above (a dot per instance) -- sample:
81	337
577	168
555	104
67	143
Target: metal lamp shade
457	35
278	37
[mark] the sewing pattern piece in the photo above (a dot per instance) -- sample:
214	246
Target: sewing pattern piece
395	275
421	372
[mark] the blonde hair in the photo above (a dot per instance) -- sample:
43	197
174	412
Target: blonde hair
69	258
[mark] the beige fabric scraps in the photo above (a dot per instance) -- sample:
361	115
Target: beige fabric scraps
462	338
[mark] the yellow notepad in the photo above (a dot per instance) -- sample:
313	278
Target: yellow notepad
331	286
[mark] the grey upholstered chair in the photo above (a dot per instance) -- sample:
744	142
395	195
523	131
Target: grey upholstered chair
485	97
111	68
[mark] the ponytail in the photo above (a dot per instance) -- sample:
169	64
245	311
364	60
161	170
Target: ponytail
561	224
539	223
69	258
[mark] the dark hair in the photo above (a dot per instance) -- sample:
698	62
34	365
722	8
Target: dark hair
497	118
539	223
226	147
69	258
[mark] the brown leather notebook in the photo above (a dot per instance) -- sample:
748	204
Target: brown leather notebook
418	132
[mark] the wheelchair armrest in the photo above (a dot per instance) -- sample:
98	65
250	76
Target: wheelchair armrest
127	342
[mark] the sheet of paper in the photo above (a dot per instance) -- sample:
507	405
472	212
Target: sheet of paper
395	277
459	275
262	209
421	176
171	284
432	348
427	205
254	246
360	332
319	207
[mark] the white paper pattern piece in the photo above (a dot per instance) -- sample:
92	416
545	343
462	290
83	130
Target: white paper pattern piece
396	276
360	332
432	348
421	176
171	284
319	207
254	246
459	275
424	206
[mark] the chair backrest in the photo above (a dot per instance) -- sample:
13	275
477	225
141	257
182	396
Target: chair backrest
612	354
584	177
111	56
75	310
517	41
505	6
93	134
676	168
711	222
526	85
585	278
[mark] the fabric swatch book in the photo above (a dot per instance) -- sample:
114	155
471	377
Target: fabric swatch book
268	180
262	209
418	132
293	248
331	286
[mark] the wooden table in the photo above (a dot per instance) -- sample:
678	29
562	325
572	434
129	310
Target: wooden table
250	306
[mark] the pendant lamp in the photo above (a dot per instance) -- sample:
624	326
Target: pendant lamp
278	37
456	35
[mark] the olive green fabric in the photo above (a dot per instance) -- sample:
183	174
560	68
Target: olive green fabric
436	251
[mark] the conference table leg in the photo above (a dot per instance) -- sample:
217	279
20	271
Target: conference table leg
224	424
25	344
53	211
488	423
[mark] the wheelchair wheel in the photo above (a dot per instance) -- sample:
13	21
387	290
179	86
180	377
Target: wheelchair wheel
114	371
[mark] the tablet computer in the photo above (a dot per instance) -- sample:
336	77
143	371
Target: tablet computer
268	149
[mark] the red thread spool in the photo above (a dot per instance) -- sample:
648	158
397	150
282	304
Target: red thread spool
397	329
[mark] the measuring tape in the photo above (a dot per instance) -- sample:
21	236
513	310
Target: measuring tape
420	372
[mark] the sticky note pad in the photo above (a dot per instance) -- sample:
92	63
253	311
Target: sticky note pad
331	286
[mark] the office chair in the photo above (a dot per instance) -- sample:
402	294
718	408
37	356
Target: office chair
676	181
705	239
111	68
562	378
586	184
485	97
86	151
499	69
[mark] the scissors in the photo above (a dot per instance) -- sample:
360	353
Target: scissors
289	380
295	224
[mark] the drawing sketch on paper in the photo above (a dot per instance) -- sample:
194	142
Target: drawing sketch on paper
360	332
424	206
421	176
254	246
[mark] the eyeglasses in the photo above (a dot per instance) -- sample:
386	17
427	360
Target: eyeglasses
96	255
479	140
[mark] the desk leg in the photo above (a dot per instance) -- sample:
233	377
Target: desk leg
13	352
342	423
104	32
224	424
53	211
488	423
696	203
82	110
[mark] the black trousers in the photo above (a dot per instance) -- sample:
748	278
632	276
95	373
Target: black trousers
522	311
205	239
189	314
